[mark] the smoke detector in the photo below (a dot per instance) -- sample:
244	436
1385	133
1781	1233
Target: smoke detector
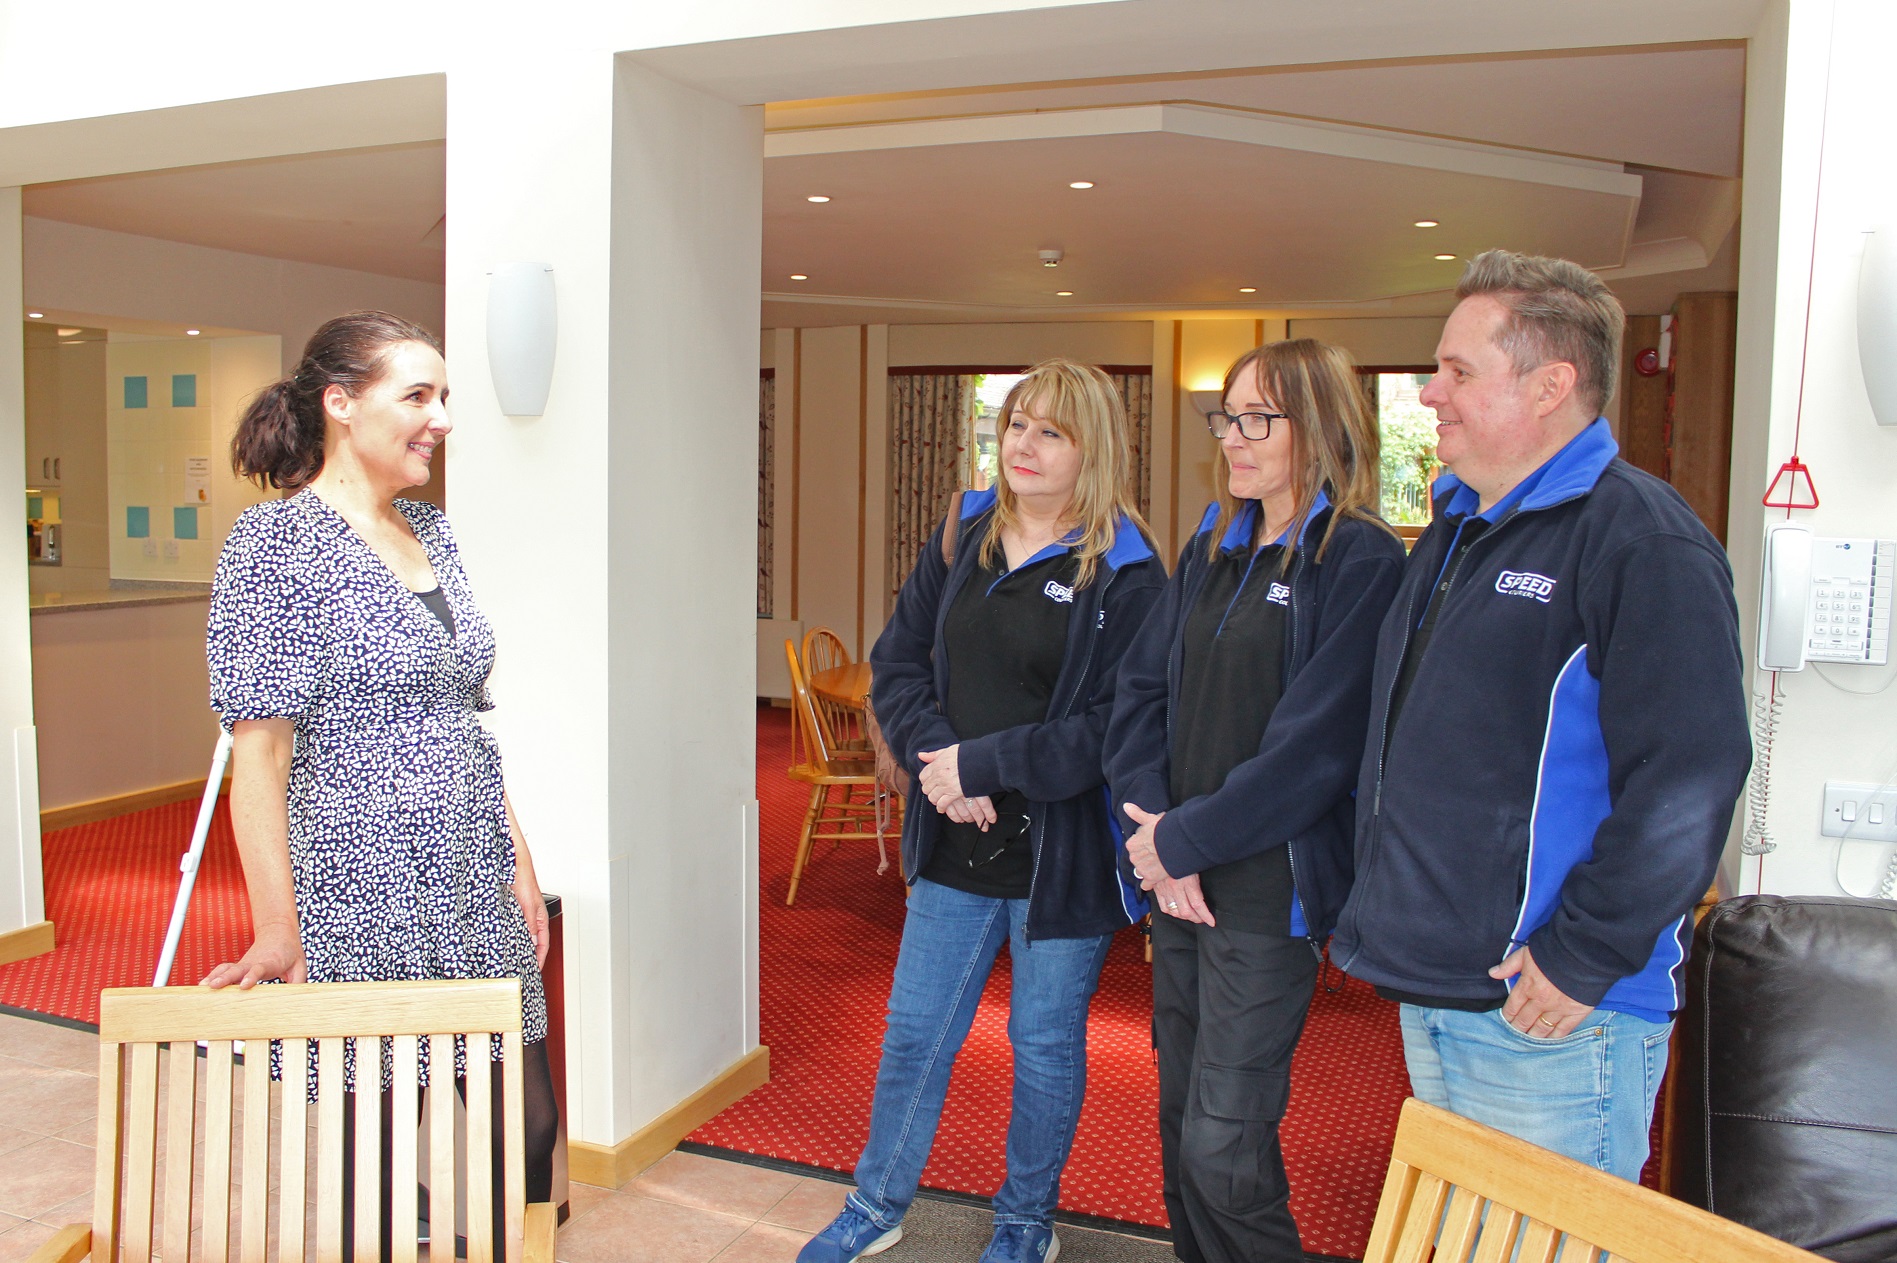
1051	258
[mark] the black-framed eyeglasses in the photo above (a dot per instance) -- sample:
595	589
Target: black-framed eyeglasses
1004	833
1253	425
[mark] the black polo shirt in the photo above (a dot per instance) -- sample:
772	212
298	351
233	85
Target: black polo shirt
1231	677
1006	637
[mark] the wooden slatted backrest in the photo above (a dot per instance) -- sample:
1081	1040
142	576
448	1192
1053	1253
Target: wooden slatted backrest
818	746
823	650
1459	1192
145	1157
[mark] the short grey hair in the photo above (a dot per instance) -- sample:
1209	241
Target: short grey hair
1557	311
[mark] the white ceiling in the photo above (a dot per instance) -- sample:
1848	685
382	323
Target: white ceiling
1299	182
366	209
1173	220
1677	107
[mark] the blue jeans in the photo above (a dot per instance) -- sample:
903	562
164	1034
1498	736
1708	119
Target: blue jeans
949	942
1588	1095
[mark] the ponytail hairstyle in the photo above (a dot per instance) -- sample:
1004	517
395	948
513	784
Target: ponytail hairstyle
1335	445
1084	405
279	443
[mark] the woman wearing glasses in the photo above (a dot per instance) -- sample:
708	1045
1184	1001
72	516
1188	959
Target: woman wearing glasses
1237	732
993	685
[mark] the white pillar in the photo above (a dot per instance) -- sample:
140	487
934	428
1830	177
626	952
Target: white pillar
22	900
612	542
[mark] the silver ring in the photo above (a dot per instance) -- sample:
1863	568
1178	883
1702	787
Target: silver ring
1173	906
1138	876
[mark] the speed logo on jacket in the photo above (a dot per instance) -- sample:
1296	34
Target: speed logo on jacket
1525	583
1054	591
1279	594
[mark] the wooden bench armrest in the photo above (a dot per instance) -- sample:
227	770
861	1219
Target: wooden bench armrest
542	1222
68	1245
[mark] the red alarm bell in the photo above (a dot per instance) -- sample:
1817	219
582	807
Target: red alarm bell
1647	363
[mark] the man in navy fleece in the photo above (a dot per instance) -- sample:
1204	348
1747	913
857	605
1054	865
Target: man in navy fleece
1558	735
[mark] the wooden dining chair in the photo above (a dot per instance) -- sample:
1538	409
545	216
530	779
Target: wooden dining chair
148	1173
1460	1192
823	651
844	801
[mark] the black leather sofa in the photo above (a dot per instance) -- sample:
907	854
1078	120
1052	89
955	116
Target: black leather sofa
1786	1113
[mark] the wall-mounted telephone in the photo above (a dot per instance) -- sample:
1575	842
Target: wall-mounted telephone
1824	599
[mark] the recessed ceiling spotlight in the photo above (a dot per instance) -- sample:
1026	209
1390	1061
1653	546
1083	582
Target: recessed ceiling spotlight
1080	184
798	276
192	333
70	333
1444	258
1248	289
1428	223
816	197
1063	293
36	315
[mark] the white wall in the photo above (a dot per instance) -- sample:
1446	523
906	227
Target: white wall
72	268
1836	109
1391	341
147	450
1090	342
128	680
21	901
624	681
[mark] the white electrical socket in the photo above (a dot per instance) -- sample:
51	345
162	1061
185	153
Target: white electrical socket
171	550
1867	813
150	548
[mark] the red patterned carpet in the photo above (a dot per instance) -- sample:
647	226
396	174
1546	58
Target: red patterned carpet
109	889
825	972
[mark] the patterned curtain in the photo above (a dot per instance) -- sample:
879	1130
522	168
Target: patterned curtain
1137	390
766	493
930	419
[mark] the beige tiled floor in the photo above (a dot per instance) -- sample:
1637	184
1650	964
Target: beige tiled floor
685	1209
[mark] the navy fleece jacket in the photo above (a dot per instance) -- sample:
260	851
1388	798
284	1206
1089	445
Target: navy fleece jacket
1076	890
1563	769
1297	789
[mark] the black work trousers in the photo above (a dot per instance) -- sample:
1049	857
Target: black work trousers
1228	1007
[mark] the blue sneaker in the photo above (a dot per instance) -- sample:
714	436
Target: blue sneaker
1022	1243
850	1236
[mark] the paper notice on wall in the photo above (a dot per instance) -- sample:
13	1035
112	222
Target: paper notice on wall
197	479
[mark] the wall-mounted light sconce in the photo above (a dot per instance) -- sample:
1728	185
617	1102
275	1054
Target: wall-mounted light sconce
522	332
1877	321
1207	401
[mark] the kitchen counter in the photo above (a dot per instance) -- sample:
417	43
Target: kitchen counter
116	598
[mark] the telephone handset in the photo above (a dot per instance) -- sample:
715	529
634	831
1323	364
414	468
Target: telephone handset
1824	599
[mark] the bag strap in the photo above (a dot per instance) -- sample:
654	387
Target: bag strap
951	527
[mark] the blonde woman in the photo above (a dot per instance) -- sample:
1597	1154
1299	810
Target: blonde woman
1236	739
993	684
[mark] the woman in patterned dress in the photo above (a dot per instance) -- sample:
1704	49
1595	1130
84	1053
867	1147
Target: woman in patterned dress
348	659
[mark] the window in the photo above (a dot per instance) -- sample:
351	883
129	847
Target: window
984	449
1408	430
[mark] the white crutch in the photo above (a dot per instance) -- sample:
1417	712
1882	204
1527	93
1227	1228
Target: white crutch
188	866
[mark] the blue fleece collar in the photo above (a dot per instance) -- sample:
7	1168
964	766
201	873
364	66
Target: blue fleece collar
1245	522
1569	473
1129	543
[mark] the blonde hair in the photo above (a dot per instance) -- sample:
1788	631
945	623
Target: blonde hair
1082	403
1335	445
